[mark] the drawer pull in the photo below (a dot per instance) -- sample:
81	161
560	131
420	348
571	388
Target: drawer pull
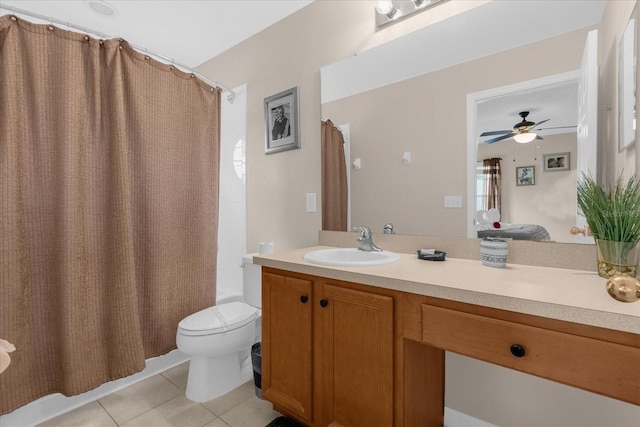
517	350
324	303
304	299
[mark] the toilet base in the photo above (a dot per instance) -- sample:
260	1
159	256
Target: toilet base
212	377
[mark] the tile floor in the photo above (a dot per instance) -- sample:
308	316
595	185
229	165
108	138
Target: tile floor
159	401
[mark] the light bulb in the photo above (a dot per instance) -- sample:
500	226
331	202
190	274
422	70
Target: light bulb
523	138
384	7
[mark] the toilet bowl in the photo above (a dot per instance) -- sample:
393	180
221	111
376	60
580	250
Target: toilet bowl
218	339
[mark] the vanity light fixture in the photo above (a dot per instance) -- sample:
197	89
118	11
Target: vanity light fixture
524	138
391	11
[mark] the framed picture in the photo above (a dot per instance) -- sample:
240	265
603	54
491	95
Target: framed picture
525	175
281	122
556	162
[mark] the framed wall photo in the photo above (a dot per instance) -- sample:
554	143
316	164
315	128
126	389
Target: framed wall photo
556	162
282	131
525	175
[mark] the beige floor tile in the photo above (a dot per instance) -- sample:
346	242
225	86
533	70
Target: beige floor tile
178	412
223	403
138	398
178	375
89	415
217	423
253	412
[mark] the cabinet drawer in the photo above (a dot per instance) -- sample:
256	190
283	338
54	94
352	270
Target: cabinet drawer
591	364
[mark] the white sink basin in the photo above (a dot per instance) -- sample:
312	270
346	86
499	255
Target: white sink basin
350	257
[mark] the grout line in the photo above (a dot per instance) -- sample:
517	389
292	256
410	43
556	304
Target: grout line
107	412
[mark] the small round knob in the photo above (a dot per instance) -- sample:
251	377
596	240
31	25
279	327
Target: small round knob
517	350
304	299
324	303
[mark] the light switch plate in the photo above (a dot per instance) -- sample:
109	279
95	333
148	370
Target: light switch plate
311	202
452	201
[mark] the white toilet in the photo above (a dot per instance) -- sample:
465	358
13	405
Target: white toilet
218	339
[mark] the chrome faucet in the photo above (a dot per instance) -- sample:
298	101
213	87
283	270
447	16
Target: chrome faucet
388	229
366	240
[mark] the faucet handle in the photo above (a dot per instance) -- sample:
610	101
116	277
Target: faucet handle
364	231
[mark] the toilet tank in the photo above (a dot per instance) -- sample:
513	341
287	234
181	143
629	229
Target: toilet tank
251	281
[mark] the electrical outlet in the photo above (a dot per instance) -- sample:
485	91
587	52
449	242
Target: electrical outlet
311	202
452	201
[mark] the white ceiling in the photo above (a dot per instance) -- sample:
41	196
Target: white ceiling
557	102
189	32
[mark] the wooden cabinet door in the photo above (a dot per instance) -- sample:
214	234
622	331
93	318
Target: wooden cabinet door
357	361
286	344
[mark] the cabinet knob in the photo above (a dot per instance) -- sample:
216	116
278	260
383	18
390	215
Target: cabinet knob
517	350
324	303
304	299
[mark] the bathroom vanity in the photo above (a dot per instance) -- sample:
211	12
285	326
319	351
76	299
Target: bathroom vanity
366	345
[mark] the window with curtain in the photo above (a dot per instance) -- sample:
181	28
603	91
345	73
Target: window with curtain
489	184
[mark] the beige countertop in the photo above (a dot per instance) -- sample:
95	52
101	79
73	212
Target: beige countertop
570	295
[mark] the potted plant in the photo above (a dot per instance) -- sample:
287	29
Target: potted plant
613	215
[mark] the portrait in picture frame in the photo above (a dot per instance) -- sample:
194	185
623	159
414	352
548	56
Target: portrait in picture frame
556	162
525	175
282	130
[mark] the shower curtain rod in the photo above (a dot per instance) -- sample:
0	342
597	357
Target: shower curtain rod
14	10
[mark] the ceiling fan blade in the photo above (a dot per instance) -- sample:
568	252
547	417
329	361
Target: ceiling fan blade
495	132
539	123
500	138
559	127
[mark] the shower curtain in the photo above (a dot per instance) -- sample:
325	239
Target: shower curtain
108	207
334	179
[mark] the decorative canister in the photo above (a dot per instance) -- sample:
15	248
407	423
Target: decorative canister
493	252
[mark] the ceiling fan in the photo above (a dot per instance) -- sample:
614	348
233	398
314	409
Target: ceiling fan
522	131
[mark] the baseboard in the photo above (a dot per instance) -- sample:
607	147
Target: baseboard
51	406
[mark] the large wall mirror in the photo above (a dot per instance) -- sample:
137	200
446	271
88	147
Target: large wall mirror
407	104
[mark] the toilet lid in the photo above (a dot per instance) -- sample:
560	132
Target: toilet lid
219	318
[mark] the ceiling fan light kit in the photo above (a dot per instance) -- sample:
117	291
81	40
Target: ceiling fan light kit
524	138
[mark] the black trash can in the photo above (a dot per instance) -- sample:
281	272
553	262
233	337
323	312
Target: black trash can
256	359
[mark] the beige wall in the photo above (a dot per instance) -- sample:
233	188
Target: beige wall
291	53
287	54
614	22
551	202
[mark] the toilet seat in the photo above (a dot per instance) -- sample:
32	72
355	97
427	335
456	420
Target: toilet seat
218	319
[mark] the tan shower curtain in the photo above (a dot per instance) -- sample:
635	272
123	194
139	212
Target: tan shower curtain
108	207
492	183
334	179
